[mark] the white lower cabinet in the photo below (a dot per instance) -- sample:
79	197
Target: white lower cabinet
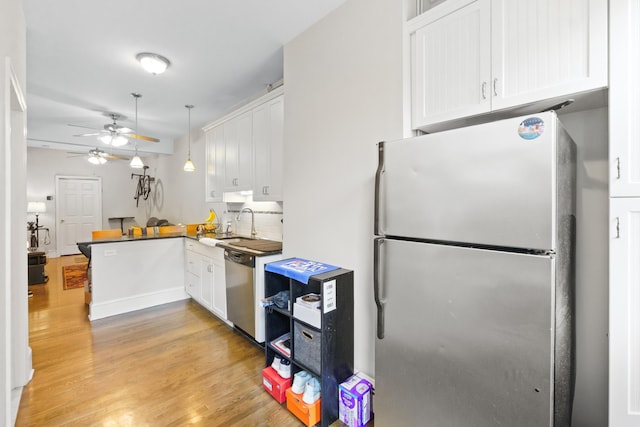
624	313
205	278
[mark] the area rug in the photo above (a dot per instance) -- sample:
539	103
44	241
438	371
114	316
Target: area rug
74	276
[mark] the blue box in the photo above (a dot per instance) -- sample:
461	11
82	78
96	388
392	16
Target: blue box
299	269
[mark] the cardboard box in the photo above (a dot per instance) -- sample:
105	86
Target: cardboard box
308	414
354	397
275	384
306	314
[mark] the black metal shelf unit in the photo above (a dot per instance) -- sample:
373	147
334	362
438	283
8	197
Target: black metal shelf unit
335	332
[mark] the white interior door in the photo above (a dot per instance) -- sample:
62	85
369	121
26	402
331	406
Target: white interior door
78	211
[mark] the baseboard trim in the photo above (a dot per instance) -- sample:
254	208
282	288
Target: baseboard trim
136	302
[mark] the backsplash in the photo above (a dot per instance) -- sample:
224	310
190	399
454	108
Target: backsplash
268	219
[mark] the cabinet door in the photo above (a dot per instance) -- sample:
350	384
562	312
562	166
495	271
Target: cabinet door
624	99
193	275
451	64
624	313
268	122
215	164
543	49
238	153
207	282
219	304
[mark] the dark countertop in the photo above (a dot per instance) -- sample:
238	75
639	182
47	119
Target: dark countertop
188	236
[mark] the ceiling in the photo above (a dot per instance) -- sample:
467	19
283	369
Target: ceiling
81	63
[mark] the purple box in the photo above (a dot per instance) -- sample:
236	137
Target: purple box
355	401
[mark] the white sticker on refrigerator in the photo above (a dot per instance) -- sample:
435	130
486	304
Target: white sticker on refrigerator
531	128
329	296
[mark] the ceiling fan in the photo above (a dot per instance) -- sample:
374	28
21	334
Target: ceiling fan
99	157
114	134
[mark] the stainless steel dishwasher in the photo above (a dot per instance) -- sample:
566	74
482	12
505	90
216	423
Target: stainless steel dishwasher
239	268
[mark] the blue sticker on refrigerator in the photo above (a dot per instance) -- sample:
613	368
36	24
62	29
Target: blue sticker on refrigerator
531	128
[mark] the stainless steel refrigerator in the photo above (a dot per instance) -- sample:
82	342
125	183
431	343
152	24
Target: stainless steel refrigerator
474	278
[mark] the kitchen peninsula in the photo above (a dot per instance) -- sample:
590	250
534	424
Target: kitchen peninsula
133	273
136	272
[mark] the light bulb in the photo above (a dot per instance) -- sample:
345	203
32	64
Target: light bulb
106	139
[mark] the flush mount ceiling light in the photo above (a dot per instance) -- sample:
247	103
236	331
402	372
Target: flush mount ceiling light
136	161
189	166
152	62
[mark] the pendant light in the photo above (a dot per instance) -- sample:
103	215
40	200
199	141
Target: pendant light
136	161
189	166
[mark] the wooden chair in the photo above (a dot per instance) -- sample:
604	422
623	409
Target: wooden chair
106	234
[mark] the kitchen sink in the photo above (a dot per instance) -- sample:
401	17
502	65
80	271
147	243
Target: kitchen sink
232	240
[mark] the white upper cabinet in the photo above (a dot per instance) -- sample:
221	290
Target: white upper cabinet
472	57
214	140
238	153
268	122
244	150
543	49
624	99
451	65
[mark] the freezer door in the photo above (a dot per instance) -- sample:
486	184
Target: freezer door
493	184
467	338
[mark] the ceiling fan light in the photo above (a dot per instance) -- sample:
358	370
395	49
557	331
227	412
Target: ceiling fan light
119	141
94	160
105	139
102	160
189	166
136	162
152	62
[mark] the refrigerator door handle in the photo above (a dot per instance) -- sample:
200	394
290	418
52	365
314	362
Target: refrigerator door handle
379	172
377	245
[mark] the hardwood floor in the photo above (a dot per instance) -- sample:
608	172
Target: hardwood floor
171	365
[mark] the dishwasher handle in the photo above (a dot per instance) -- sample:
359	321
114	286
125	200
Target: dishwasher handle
239	258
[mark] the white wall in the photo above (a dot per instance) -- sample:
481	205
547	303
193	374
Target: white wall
118	188
343	88
15	357
177	196
344	93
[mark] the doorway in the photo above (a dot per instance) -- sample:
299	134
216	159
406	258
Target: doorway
78	211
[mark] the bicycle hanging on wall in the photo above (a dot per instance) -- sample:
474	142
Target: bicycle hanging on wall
143	189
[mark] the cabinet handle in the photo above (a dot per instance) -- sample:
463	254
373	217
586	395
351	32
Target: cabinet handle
265	190
213	193
209	268
495	87
618	167
617	227
484	90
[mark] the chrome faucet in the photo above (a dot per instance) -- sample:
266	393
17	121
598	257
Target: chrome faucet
253	222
